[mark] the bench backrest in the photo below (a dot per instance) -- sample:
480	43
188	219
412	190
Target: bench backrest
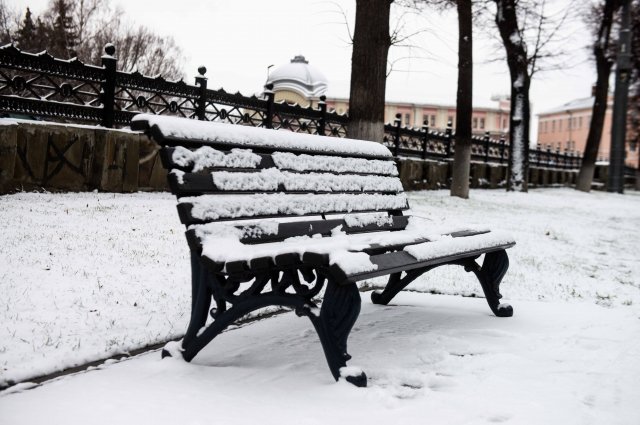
223	172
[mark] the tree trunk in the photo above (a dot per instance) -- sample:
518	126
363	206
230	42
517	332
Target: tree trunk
603	68
520	116
464	105
371	42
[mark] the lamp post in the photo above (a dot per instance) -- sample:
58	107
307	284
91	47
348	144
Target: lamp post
269	69
615	182
570	112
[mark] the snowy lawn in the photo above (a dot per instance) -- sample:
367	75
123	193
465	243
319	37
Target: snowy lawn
85	276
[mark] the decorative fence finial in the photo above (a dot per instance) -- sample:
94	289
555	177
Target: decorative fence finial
109	49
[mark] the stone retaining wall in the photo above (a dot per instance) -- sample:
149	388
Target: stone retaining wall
39	155
428	174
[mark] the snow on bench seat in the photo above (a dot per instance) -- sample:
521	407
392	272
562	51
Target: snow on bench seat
221	242
239	135
447	245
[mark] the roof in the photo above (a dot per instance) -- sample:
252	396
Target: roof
477	106
299	76
576	104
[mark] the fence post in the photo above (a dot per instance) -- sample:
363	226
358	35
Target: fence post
201	103
322	122
548	155
268	118
447	134
109	62
502	143
396	136
558	157
425	138
486	146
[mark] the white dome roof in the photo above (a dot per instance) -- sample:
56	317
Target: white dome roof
299	76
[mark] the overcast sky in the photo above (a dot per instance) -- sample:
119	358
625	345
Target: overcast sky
238	40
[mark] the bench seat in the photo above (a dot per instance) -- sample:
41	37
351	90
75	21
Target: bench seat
350	256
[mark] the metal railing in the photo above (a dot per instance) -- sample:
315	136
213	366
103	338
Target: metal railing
429	144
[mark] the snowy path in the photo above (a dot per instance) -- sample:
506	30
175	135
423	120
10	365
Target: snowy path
430	359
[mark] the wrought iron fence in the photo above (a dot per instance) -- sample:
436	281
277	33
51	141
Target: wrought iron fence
43	86
425	143
40	85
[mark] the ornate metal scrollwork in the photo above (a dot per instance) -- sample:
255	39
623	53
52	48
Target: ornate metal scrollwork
18	83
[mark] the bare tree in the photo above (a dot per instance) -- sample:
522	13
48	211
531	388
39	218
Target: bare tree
633	127
517	61
371	42
464	103
528	35
464	94
8	23
82	28
138	48
602	15
88	16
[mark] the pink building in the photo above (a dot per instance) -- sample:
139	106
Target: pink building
567	127
301	83
492	119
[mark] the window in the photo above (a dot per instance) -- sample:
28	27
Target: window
482	123
579	122
553	126
450	119
559	125
475	122
425	119
433	120
540	127
407	119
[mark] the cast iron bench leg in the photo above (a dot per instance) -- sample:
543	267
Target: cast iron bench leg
396	284
339	311
490	275
200	303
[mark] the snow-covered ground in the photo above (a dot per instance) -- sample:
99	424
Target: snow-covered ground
83	276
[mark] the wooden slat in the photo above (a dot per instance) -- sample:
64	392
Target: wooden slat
167	161
265	162
170	141
324	228
185	208
394	262
194	184
306	228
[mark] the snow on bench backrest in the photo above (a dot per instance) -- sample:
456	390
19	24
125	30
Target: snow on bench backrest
173	130
230	172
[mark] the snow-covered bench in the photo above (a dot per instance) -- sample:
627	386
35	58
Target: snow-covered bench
273	217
